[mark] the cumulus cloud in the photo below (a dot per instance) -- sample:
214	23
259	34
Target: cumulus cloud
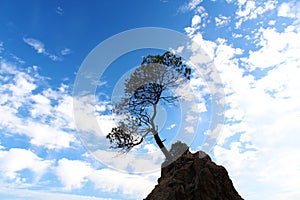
222	20
13	193
290	9
193	4
195	25
15	160
41	117
249	10
73	174
261	85
48	123
132	185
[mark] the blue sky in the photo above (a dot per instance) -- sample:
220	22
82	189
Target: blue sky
254	46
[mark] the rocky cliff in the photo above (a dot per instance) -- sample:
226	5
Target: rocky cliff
194	177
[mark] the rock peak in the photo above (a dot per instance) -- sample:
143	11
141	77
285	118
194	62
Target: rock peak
193	176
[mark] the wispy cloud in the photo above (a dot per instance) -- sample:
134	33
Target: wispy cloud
65	51
59	10
36	44
1	46
171	126
40	49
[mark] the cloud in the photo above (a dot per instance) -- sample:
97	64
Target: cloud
192	5
65	51
45	118
1	47
222	20
74	173
40	48
258	139
15	160
18	193
276	48
195	25
171	126
36	44
190	129
48	124
249	10
290	9
111	181
59	10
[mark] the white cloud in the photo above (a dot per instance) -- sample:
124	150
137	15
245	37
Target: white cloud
196	20
222	20
47	121
135	186
290	9
192	5
56	106
18	193
272	22
15	160
195	25
151	148
259	137
252	9
36	44
47	136
40	48
276	48
171	126
190	129
73	173
1	46
65	51
236	35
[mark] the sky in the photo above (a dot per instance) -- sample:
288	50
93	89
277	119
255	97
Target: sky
50	150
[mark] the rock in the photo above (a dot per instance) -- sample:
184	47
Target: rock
194	177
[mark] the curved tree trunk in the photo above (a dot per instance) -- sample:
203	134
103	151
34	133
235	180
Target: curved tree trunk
162	146
157	138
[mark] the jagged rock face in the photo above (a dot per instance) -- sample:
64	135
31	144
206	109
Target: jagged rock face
194	177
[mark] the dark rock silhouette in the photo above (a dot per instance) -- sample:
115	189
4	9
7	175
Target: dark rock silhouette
194	177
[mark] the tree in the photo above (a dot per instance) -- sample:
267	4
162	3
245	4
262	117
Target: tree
150	84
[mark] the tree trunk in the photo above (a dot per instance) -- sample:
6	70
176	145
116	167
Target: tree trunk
157	138
161	146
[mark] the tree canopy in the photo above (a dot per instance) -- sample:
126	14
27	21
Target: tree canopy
151	83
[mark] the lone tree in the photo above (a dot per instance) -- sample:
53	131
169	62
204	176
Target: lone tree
150	84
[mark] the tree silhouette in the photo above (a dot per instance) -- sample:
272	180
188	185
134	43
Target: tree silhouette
150	84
